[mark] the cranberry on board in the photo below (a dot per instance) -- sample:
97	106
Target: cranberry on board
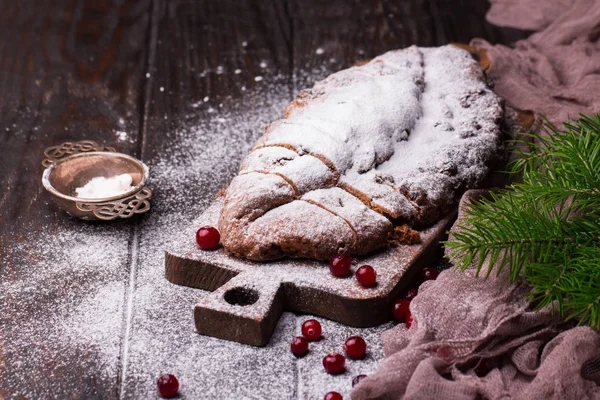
429	274
311	329
299	346
411	293
208	237
366	276
355	347
333	396
339	266
168	386
334	363
401	310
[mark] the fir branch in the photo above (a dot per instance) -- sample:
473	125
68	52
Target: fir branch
546	227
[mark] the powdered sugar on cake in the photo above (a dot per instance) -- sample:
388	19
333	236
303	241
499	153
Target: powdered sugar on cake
402	135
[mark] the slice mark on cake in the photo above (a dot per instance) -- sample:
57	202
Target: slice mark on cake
355	234
288	180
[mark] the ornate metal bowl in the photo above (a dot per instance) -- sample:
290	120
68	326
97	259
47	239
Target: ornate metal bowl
72	165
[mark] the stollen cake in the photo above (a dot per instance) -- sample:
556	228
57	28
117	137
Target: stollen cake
393	141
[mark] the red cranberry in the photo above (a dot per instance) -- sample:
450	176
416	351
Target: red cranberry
401	310
355	347
168	386
299	346
429	274
208	237
334	363
366	276
411	294
340	265
333	396
311	329
357	379
409	320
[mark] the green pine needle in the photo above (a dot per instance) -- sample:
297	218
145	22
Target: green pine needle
545	228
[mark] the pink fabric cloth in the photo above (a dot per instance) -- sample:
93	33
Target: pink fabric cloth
555	71
526	14
460	320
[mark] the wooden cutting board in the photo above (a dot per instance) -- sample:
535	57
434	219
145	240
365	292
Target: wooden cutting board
248	297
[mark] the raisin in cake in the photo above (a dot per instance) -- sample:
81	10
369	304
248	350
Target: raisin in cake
394	141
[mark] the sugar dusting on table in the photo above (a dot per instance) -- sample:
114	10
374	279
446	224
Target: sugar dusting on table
122	136
82	273
77	274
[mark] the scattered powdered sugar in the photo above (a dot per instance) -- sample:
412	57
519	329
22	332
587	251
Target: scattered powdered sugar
107	299
122	136
67	301
89	325
319	51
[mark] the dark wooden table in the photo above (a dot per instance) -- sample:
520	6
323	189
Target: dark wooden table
84	310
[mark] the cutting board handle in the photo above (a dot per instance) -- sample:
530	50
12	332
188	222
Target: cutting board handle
245	309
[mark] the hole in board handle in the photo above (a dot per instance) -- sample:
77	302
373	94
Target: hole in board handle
240	296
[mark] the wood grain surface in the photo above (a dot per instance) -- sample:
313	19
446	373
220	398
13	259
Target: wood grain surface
89	69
